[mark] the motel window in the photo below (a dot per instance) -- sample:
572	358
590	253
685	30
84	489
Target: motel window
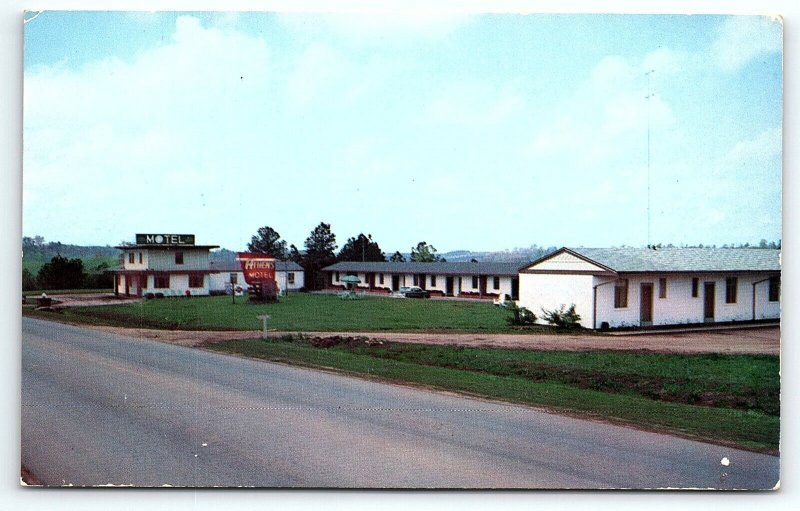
731	283
474	282
621	294
234	278
140	258
380	278
695	287
178	257
416	280
161	282
131	257
496	282
662	288
290	277
195	281
337	276
433	280
774	289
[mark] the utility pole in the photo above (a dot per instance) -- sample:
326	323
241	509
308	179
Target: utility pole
649	95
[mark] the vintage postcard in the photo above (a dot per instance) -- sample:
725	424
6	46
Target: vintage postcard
401	250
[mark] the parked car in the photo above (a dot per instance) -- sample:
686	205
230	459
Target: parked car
414	292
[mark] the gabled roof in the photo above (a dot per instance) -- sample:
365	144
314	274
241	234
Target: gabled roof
233	266
498	269
639	260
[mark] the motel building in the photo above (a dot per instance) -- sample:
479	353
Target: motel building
632	287
466	280
169	264
226	276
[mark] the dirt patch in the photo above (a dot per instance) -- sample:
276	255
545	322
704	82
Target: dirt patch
752	341
89	299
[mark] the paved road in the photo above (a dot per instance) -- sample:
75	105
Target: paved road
99	408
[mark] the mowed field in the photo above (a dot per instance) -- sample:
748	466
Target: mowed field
304	312
732	399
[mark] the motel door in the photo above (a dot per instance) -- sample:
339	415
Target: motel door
646	304
449	286
709	298
395	282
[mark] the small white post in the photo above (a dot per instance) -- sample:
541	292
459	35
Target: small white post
264	320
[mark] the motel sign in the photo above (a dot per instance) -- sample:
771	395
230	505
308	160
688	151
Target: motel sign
165	239
257	267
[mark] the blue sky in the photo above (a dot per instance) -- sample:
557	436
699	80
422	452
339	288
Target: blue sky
480	132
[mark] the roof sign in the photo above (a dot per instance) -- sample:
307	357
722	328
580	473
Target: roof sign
165	239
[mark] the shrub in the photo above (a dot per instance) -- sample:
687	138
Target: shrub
519	315
562	318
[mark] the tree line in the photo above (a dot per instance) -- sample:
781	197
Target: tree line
63	273
321	251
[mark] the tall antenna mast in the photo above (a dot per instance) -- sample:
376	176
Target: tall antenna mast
649	95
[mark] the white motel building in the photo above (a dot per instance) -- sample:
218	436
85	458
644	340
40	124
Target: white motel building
288	275
170	264
466	280
624	287
610	287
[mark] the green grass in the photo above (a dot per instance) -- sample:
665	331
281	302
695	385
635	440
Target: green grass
306	312
615	386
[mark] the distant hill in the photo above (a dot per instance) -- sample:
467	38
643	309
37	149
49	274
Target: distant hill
517	255
36	252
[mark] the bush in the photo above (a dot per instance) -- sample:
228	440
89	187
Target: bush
519	315
562	318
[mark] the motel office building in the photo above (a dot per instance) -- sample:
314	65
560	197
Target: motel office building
472	280
226	276
170	264
630	287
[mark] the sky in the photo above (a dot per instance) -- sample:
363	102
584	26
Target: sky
468	131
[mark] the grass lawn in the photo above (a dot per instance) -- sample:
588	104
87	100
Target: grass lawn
720	398
305	312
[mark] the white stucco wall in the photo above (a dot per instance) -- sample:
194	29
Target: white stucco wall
178	284
567	262
548	291
222	280
679	307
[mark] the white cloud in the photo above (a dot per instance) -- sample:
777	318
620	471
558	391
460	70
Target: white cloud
315	71
112	135
606	113
378	27
742	38
474	104
765	146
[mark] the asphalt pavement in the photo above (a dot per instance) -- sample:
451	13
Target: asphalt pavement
99	408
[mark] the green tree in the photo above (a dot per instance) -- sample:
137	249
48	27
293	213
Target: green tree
268	241
28	280
424	253
61	273
361	248
397	257
295	255
320	252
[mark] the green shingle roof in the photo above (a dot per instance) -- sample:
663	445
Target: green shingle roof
683	259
